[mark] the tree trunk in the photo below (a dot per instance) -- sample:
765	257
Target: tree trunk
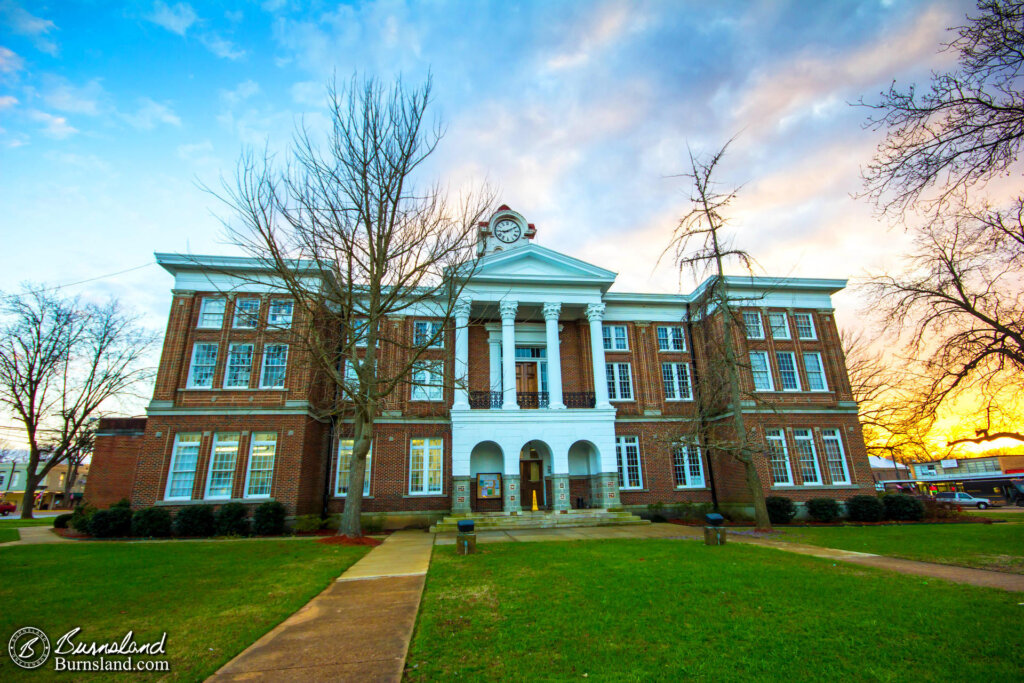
28	500
351	521
69	483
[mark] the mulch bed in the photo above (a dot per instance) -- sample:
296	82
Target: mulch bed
342	539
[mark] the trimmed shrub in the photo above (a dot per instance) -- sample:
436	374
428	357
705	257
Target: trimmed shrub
780	509
195	520
151	523
233	520
61	521
933	511
865	509
123	503
81	517
112	523
308	523
903	508
268	520
823	509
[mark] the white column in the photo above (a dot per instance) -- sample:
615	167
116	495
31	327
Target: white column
461	311
508	354
494	344
595	314
551	313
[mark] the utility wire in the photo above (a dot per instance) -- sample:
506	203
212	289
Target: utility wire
92	279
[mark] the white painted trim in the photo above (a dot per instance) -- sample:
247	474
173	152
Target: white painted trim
248	466
191	366
174	460
209	467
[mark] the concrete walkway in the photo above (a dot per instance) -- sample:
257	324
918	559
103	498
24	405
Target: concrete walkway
36	535
358	629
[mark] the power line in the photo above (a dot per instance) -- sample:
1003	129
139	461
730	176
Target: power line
92	279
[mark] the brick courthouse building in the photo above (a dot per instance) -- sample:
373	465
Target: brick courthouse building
547	384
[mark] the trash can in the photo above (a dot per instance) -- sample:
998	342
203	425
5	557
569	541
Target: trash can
465	541
714	532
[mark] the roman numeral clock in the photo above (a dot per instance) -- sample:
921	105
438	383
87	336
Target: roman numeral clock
505	230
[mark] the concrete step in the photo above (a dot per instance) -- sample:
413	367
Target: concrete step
539	520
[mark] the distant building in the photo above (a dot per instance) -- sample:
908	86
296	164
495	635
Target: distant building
49	492
884	470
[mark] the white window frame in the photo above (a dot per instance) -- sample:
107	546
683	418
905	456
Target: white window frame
672	381
777	437
767	371
228	366
802	456
833	435
253	442
821	371
748	318
622	445
219	439
779	355
610	337
778	331
615	372
424	447
346	445
264	366
419	339
191	384
675	338
431	387
241	315
810	323
361	328
276	319
203	312
176	461
685	456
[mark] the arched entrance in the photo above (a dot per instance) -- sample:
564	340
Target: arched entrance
534	471
485	458
584	474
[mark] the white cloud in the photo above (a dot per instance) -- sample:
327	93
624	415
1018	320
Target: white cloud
151	114
62	96
24	23
234	17
8	101
242	92
54	126
273	5
221	47
176	19
308	93
9	61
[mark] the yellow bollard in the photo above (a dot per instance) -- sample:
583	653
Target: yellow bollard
535	508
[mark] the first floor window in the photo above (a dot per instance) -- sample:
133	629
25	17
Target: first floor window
182	473
211	313
752	323
788	378
345	467
778	457
815	372
615	338
427	381
247	313
686	466
275	365
426	460
279	313
427	333
807	455
675	377
804	325
671	338
204	361
762	373
620	382
834	456
222	465
627	452
239	366
262	453
779	325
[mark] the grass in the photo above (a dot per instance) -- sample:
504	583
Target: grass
986	546
14	522
679	610
213	599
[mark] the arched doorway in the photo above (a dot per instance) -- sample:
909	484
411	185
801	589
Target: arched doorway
534	473
584	474
485	458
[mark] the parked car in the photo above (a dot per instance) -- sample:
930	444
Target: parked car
960	499
7	508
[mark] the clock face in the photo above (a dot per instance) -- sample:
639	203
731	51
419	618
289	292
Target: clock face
508	231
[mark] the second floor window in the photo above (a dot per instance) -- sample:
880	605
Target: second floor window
615	338
620	382
427	381
762	373
788	377
779	325
675	377
239	368
279	313
671	338
204	362
815	372
211	313
427	333
752	323
275	366
804	326
247	313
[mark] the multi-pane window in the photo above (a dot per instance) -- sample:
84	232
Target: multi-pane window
778	457
815	372
686	466
236	375
627	451
426	461
615	338
837	471
222	465
261	464
204	361
360	331
279	313
211	312
779	325
427	333
247	313
620	382
762	373
675	377
182	473
275	366
752	322
804	326
807	456
345	467
788	378
427	381
671	338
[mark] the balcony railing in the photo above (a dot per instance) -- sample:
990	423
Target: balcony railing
532	399
579	399
485	399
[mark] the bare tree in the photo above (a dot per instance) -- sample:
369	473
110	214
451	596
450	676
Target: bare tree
77	453
702	227
61	362
347	231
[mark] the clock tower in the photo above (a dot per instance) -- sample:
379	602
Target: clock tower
506	230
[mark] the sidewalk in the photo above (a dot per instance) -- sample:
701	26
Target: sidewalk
358	629
35	535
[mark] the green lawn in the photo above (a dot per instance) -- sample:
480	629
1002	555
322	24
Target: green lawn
11	522
213	599
678	610
986	546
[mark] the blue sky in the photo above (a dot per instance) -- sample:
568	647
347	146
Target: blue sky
580	113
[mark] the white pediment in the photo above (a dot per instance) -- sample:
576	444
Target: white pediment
534	263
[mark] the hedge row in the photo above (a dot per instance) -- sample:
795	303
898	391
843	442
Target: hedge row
899	507
194	521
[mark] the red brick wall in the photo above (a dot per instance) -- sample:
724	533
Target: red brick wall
114	460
